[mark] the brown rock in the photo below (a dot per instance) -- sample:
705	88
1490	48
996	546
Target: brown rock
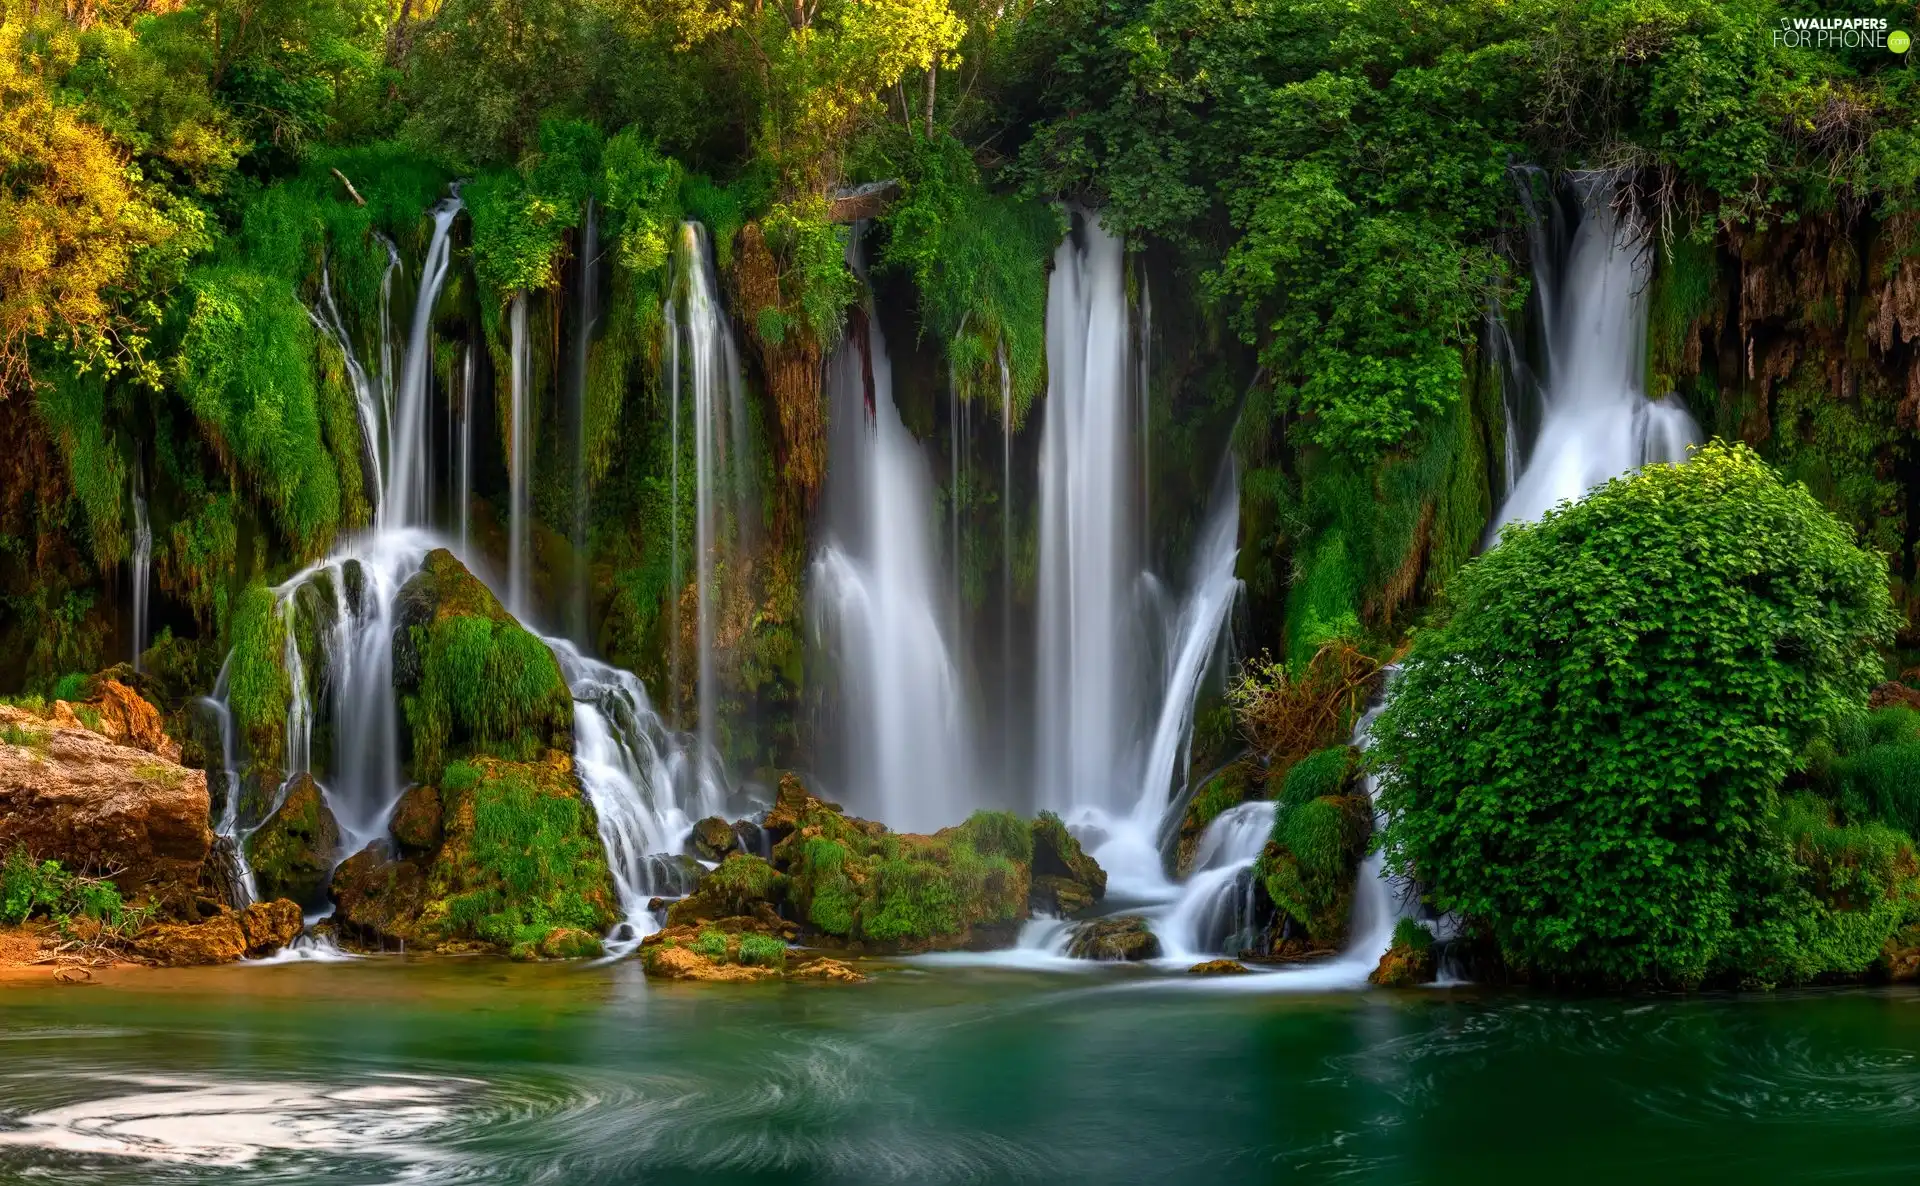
1218	968
1894	694
292	853
666	961
1123	937
127	718
824	968
713	838
217	940
416	820
1065	878
567	943
92	804
377	899
1404	966
269	926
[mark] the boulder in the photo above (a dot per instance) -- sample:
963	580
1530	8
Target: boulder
823	968
665	961
569	943
269	926
1218	968
1404	965
416	822
123	715
72	795
377	898
216	940
1122	937
292	853
713	839
1065	879
741	885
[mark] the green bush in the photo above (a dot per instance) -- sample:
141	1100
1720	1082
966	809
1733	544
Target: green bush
30	888
1410	934
1586	756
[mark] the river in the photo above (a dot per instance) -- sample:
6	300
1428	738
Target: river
386	1070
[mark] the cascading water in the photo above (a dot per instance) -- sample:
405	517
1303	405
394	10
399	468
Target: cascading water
706	359
142	563
1596	420
1089	687
1215	910
588	297
519	454
368	405
647	786
407	503
876	604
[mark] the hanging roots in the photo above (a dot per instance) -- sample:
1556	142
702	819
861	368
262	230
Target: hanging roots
1287	716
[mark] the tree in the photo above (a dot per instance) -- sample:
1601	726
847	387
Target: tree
1586	757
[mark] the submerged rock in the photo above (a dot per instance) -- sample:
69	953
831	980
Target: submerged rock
91	803
713	839
1123	937
1219	968
292	853
825	968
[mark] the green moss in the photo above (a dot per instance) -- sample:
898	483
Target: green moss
1308	865
999	833
258	689
521	856
1408	933
740	881
74	408
1321	773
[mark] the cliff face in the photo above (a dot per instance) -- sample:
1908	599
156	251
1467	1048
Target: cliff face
1800	339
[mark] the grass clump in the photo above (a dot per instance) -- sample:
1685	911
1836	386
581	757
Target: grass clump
1321	773
763	951
1309	862
26	737
1408	933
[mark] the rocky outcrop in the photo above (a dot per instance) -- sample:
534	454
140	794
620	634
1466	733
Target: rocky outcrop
73	795
1065	880
417	823
269	926
738	954
378	899
741	886
1404	965
1122	937
713	839
221	937
292	853
1218	968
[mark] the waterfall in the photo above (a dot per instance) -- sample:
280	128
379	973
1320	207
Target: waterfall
646	784
142	562
1214	913
1596	421
903	729
704	340
465	461
228	825
582	354
1090	691
519	454
406	488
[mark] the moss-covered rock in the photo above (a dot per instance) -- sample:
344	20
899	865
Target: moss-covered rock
1409	961
713	839
1123	937
1311	859
416	823
293	851
1226	789
472	681
1065	880
852	883
740	885
378	898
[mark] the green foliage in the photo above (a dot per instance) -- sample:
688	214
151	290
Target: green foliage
486	687
711	944
26	737
258	689
71	686
74	407
1321	773
979	261
763	951
999	833
1584	757
30	888
1308	865
522	856
815	285
1409	934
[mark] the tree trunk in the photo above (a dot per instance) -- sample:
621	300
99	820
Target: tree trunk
933	78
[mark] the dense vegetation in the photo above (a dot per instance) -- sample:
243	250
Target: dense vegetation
202	202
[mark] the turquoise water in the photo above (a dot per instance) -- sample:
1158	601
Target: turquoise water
474	1071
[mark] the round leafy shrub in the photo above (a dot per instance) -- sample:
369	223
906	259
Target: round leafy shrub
1586	756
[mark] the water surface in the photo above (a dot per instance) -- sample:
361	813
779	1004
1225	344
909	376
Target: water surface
475	1071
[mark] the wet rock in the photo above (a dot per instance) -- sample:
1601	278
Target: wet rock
221	876
713	839
416	823
269	926
741	885
1123	937
1065	879
377	898
675	875
216	940
827	969
569	943
1404	965
1218	968
669	961
292	852
72	795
